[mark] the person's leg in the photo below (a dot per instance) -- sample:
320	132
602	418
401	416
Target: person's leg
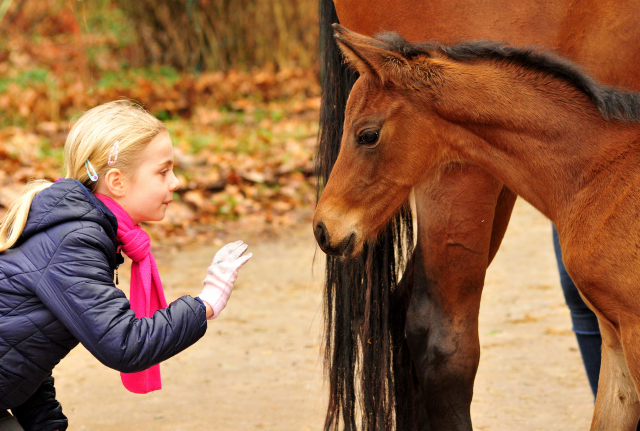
585	322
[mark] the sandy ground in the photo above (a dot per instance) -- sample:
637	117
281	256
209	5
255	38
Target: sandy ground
259	367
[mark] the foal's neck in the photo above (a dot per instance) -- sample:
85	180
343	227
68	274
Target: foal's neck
542	137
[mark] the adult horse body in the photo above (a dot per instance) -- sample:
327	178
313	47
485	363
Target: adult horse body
567	145
462	214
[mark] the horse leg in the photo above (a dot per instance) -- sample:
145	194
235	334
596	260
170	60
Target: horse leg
409	401
461	220
617	407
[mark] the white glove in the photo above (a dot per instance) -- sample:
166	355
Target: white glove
221	275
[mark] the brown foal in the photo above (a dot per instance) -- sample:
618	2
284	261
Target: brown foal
537	124
431	316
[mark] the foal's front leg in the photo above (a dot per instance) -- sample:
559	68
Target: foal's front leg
617	406
462	218
606	289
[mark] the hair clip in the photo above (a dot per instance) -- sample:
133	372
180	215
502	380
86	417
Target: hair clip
115	156
94	176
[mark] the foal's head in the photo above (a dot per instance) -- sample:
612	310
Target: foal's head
416	107
379	160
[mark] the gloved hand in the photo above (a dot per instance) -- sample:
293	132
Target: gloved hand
221	275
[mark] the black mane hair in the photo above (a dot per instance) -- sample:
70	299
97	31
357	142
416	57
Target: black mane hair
611	102
372	381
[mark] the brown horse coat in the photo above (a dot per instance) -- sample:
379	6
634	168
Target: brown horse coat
463	210
533	121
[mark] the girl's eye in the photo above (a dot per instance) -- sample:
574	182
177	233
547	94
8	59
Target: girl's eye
164	172
368	137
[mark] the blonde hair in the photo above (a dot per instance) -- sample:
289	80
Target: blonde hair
91	138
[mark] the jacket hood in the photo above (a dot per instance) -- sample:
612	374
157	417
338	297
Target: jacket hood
64	201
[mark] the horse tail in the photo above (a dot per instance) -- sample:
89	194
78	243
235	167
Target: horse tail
366	358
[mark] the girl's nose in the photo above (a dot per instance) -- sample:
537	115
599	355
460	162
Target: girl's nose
175	184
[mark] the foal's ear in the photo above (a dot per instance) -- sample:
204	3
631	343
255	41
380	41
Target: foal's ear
370	56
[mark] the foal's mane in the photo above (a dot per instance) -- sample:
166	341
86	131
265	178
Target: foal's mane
611	102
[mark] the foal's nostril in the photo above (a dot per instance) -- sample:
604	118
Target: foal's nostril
348	245
320	232
344	248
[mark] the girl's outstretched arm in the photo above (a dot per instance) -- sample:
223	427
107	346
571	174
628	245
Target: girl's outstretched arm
77	287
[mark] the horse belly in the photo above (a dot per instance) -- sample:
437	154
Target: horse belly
450	21
602	36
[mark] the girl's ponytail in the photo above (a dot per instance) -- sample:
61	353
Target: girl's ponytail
13	222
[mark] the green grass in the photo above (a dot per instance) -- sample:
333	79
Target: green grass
126	77
46	151
26	78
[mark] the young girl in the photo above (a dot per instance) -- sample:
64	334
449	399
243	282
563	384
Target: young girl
60	245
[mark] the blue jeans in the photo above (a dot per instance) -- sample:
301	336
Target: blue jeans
585	322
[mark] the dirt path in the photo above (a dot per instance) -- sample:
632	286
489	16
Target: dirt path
258	366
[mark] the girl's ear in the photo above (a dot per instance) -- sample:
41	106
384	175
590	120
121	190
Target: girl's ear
114	182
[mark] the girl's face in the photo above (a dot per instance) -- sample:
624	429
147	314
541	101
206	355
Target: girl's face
150	190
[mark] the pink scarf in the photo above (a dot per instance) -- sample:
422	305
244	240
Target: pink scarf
146	294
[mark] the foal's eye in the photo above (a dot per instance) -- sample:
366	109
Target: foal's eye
368	137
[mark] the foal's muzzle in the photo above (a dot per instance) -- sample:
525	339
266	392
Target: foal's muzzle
343	248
